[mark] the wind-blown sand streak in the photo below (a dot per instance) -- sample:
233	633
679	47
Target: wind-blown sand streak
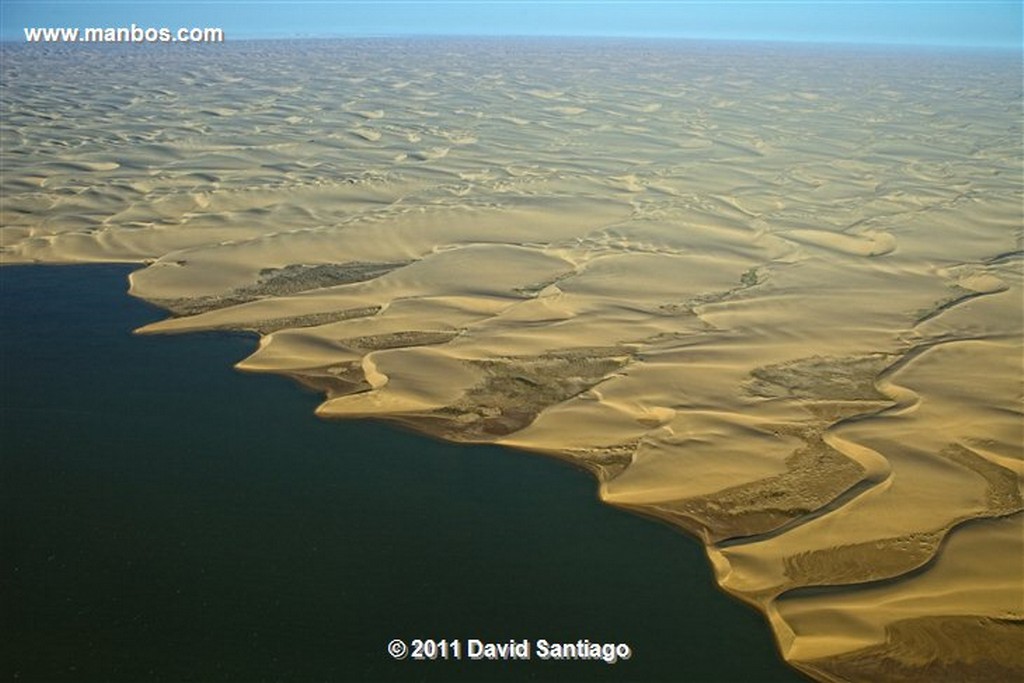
768	294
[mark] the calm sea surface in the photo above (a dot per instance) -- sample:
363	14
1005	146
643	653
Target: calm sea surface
165	517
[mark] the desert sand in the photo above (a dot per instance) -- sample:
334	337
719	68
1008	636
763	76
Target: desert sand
768	294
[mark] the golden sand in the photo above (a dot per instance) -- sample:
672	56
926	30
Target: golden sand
769	294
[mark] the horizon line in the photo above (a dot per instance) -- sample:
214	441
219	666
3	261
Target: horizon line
248	37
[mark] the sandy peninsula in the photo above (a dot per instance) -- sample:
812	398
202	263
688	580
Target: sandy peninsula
768	294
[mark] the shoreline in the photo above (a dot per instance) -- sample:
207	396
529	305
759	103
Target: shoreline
314	473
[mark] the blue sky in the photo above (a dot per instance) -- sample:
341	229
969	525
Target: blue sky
992	23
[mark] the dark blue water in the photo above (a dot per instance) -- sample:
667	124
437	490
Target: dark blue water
167	518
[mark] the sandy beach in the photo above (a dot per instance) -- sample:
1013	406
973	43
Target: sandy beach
769	294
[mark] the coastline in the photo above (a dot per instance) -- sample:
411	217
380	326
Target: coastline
185	512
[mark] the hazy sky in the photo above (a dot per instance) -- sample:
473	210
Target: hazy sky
934	22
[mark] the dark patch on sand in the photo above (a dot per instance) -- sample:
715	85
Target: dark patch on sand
815	475
515	390
941	649
398	340
822	378
273	282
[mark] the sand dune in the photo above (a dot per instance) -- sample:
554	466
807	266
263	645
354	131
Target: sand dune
771	295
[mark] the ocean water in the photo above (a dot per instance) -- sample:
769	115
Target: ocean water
165	517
